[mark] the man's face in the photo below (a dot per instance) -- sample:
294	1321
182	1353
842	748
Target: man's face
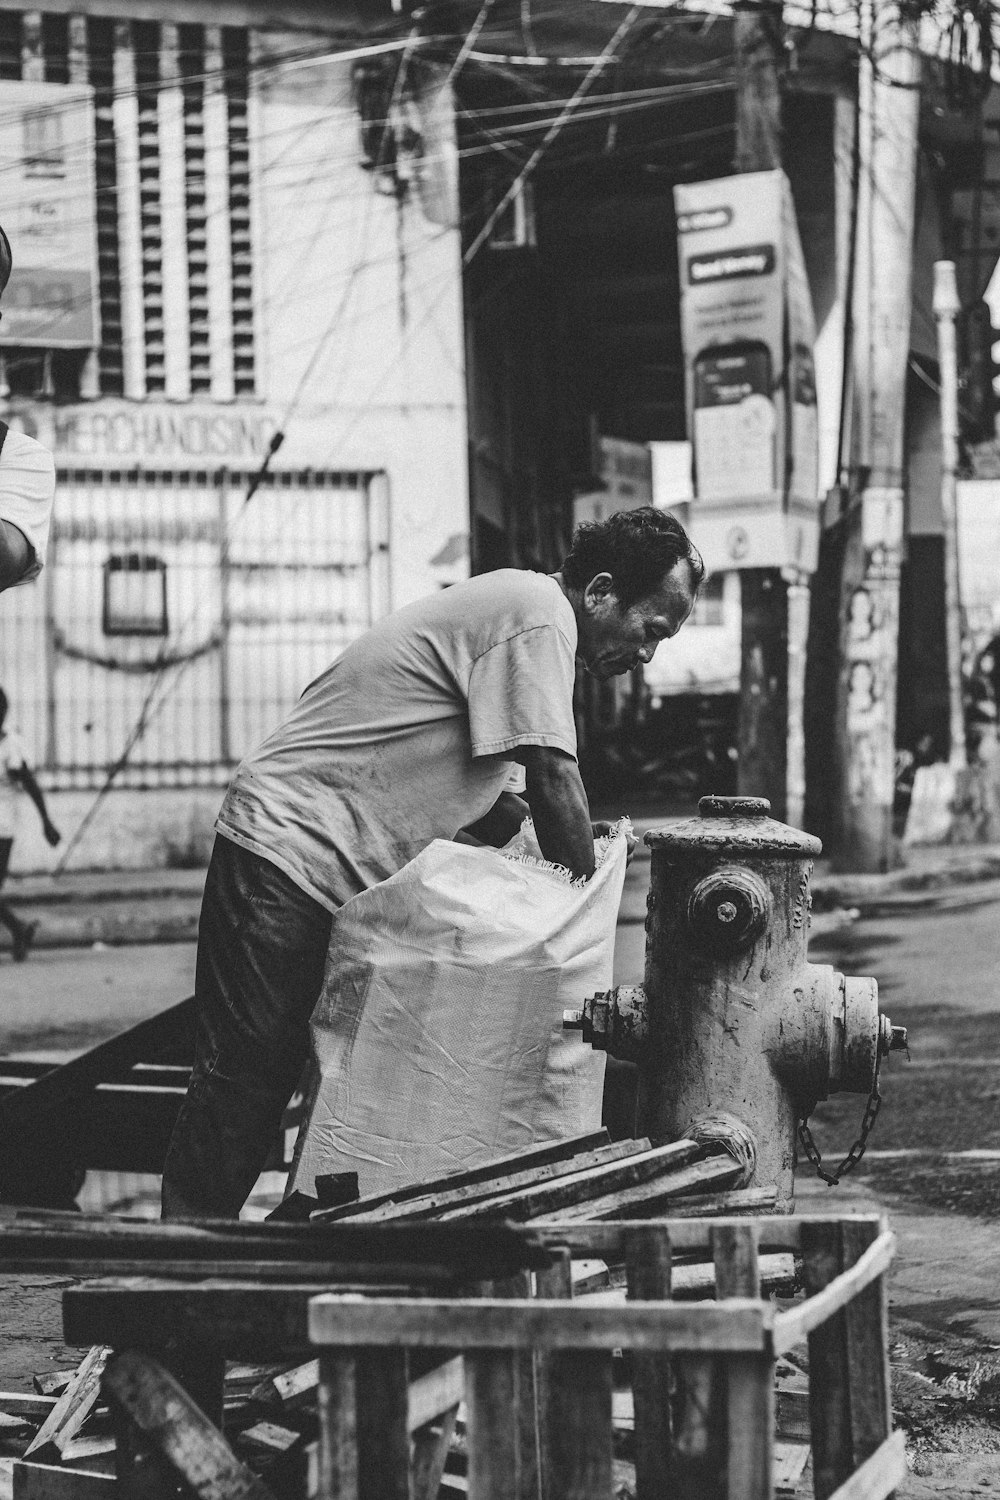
613	640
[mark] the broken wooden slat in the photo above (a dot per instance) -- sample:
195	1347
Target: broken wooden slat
73	1407
555	1283
21	1404
548	1198
534	1156
435	1393
444	1200
288	1388
160	1409
271	1437
337	1456
35	1481
430	1453
718	1205
644	1198
691	1283
791	1327
81	1448
53	1382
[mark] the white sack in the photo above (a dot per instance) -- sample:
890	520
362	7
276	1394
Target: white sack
437	1039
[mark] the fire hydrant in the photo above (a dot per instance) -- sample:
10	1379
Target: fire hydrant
735	1034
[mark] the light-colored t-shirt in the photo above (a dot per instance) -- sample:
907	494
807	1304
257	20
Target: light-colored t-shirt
13	757
404	738
27	489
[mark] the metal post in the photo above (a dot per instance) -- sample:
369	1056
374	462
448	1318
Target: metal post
946	310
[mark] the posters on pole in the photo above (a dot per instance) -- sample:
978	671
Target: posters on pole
748	333
47	207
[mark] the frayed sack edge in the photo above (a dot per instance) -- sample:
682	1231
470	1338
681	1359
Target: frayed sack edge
602	848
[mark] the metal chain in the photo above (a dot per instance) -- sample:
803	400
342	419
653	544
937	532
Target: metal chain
856	1152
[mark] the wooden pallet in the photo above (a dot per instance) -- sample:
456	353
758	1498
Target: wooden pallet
533	1365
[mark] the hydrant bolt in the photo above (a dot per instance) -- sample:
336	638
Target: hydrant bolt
728	910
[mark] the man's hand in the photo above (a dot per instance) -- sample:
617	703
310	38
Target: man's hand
559	808
602	828
51	832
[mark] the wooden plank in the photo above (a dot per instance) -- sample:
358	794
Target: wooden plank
430	1454
355	1252
287	1388
608	1241
578	1426
494	1449
271	1436
536	1156
636	1201
648	1274
878	1476
57	1088
717	1205
381	1417
441	1201
161	1410
829	1387
73	1407
792	1327
867	1326
337	1458
35	1481
748	1379
21	1404
555	1284
549	1197
435	1393
52	1382
493	1323
81	1448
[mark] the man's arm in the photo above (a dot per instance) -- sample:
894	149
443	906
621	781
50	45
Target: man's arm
15	555
34	791
502	822
559	807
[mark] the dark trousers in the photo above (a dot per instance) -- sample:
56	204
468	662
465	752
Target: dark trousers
262	946
13	924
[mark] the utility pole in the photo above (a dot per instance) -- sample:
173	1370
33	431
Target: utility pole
770	759
946	310
865	720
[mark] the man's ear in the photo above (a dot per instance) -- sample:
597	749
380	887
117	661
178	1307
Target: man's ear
597	591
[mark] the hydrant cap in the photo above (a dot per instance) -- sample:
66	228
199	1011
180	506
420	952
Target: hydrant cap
736	825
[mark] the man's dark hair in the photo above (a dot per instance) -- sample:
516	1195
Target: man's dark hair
637	547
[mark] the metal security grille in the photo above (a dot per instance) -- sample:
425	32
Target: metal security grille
191	64
236	72
146	43
101	71
171	603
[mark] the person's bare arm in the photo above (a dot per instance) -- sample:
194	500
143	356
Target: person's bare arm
502	822
15	555
559	807
27	779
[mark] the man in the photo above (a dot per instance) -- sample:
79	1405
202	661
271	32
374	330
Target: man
16	780
413	734
27	488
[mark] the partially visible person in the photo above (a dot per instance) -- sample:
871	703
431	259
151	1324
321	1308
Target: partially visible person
17	781
27	488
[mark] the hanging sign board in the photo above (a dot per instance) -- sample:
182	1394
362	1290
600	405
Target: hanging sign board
47	207
748	333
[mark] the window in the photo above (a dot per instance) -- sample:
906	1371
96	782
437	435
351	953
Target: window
135	594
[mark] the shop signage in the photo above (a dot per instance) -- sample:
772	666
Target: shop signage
47	148
748	335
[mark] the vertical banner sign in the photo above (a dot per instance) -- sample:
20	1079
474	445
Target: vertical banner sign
748	333
47	207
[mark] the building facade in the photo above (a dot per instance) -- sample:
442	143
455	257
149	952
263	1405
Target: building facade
236	319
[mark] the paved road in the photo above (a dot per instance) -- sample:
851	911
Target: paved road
66	999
